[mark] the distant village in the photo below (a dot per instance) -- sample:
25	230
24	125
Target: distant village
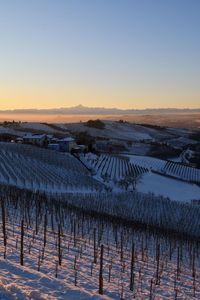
66	144
69	144
98	137
80	142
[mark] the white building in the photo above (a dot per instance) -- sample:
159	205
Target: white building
34	139
67	144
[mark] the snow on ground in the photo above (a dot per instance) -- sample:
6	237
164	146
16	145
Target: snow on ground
77	248
168	187
114	130
21	283
180	142
11	131
179	131
115	168
147	162
177	159
38	126
40	169
127	131
134	132
169	167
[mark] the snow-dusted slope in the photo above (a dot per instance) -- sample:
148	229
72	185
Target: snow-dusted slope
147	162
168	187
11	131
37	126
112	167
169	168
25	282
61	251
44	170
115	130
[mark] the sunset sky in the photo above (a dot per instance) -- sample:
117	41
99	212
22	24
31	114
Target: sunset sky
112	53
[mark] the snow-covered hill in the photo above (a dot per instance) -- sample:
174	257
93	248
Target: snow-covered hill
148	174
168	187
55	253
39	169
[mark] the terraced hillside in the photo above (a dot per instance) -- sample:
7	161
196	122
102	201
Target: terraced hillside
181	171
169	168
118	167
113	167
44	170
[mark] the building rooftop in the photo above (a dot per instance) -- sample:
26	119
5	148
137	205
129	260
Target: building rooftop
67	139
33	136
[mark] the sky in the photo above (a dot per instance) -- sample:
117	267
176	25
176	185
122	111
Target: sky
111	53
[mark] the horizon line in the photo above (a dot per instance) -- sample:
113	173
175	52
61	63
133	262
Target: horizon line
96	107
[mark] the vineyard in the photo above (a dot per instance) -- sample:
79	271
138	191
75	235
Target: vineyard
49	251
117	167
181	171
43	170
139	208
113	167
148	162
170	168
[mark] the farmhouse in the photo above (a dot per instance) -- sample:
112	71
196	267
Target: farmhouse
64	145
49	138
34	139
67	144
37	139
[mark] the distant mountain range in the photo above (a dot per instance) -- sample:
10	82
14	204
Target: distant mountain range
83	110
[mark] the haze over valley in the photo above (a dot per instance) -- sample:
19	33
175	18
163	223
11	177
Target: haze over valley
182	118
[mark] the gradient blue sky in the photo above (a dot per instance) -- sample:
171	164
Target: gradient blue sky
127	54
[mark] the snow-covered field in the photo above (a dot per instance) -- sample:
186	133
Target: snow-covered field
167	167
170	168
57	173
61	249
22	283
133	132
43	170
111	167
173	180
147	162
182	172
181	142
37	126
11	131
114	130
168	187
